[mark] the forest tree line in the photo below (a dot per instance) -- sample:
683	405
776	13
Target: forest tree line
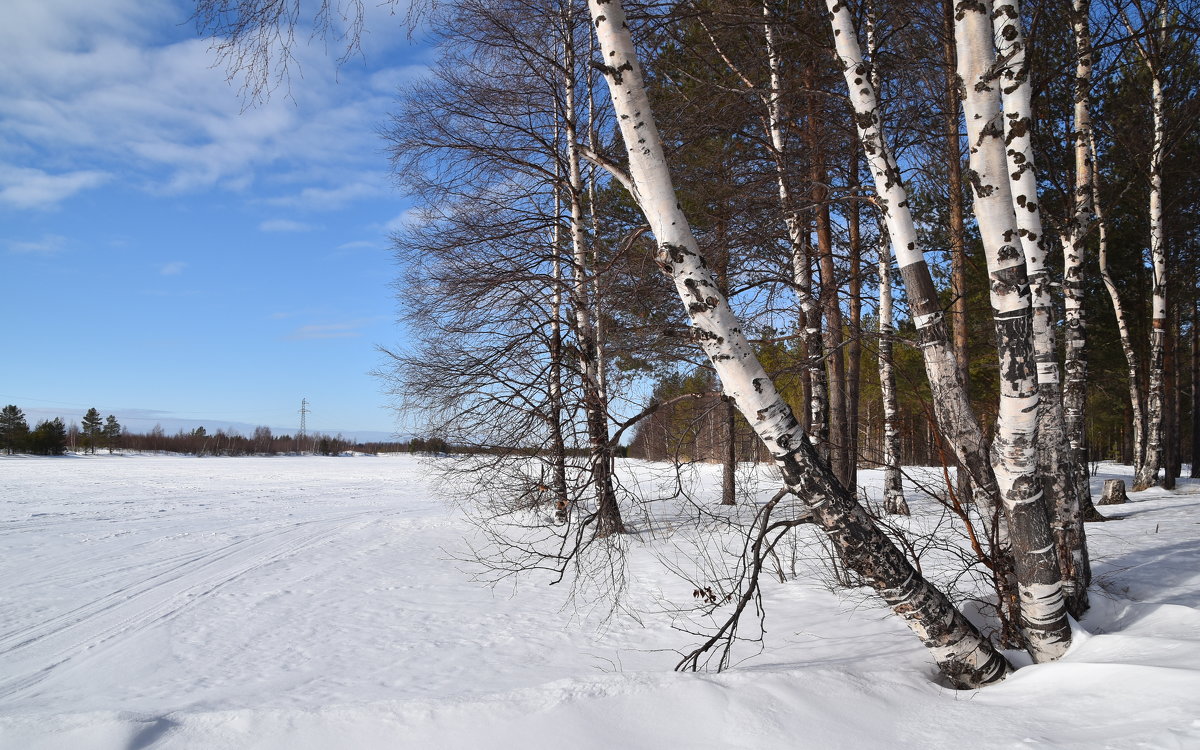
54	438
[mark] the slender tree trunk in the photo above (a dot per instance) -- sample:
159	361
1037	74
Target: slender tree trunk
835	365
1147	473
1043	610
893	487
854	346
1170	403
965	658
608	512
1195	474
816	402
1074	398
958	231
1054	458
728	454
558	458
1137	419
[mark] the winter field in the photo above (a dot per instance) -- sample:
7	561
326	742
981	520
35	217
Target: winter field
306	602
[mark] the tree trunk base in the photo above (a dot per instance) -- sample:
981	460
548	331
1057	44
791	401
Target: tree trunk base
1114	492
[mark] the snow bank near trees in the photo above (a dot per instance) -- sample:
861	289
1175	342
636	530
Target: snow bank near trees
174	602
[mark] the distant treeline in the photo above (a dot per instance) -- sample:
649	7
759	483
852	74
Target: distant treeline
53	438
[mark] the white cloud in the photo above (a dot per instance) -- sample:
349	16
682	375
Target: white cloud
327	331
344	330
405	218
23	187
328	199
357	245
108	89
174	268
49	244
284	225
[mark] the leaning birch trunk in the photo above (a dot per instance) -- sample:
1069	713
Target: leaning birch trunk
1074	399
965	658
1147	473
1043	610
1055	464
956	418
608	513
893	487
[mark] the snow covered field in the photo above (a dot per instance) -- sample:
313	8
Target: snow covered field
292	603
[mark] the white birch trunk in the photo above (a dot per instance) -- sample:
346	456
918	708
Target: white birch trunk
956	418
818	401
1043	611
893	486
1074	399
608	514
967	659
1147	473
1054	457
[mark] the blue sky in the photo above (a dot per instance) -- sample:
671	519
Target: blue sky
170	257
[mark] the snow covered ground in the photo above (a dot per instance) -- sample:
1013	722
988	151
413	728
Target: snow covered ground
305	602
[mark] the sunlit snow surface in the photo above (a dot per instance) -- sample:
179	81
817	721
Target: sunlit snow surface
292	603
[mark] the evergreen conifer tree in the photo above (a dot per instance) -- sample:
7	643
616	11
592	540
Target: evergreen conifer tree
14	430
92	430
112	433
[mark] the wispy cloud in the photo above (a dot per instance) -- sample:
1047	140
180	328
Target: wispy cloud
49	244
333	198
344	330
174	268
404	219
285	225
357	245
327	331
23	187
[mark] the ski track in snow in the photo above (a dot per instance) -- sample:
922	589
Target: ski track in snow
295	603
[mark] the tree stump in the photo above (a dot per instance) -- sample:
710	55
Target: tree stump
1114	492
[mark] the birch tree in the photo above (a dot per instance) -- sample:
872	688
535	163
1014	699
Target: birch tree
1054	459
1149	47
1043	608
965	658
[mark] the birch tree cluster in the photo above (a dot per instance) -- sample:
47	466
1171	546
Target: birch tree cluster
823	234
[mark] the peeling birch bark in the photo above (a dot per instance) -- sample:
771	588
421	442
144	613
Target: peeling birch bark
1043	608
964	656
1053	454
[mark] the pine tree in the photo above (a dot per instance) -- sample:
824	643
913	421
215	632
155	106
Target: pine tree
49	438
14	430
112	433
92	430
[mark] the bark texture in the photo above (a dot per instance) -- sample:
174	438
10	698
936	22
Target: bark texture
1055	465
1043	609
965	658
956	418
